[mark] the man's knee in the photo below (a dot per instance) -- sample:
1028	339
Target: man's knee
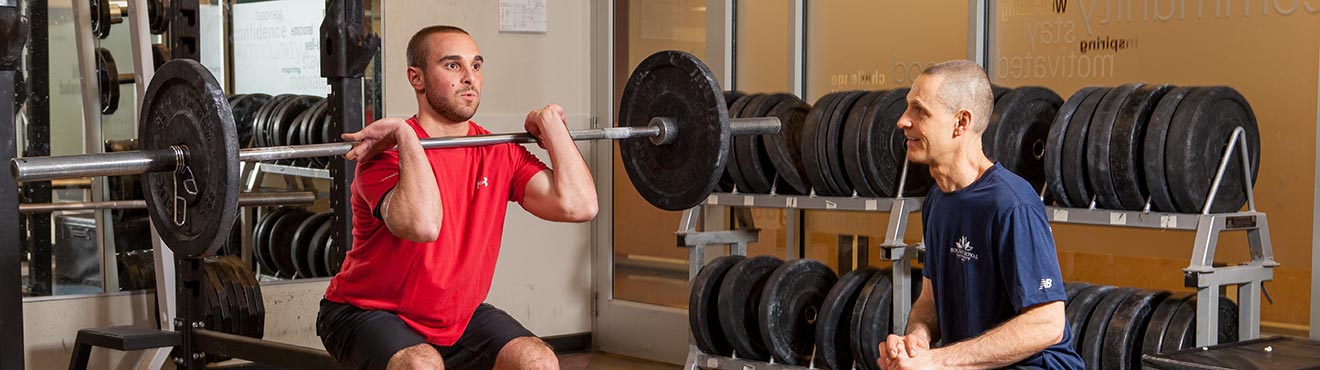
418	357
527	353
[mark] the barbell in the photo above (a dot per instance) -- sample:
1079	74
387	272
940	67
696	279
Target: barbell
270	199
673	130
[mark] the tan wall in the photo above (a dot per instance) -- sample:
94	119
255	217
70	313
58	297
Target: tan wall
543	278
1264	49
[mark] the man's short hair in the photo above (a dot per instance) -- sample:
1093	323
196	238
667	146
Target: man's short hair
419	50
965	86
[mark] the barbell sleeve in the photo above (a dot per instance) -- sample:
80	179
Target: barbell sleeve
268	199
662	130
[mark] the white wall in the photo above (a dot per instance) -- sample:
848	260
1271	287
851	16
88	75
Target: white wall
544	274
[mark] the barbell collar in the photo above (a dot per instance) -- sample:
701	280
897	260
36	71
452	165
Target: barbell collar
270	199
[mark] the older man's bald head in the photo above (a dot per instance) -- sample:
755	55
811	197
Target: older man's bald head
964	85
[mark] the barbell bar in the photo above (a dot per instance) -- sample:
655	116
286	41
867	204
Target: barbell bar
265	199
661	132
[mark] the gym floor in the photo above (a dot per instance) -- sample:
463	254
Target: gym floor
605	361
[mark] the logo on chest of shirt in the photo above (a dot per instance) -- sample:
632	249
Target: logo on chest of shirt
482	183
963	250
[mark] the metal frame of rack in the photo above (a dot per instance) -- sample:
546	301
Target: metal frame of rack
1200	272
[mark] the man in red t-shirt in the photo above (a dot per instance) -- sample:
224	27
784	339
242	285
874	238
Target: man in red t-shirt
427	224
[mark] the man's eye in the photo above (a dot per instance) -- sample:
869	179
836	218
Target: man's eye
476	67
452	65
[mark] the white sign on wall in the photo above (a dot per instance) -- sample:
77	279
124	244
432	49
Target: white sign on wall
276	50
522	16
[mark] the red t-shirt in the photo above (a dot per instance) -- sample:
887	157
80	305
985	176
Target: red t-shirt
434	287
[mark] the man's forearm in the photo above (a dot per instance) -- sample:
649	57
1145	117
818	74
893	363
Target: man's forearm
1031	332
572	179
414	209
922	321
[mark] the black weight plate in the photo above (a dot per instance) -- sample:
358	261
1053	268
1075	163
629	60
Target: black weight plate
294	134
308	127
1181	332
743	154
1098	174
1122	343
261	239
834	341
785	148
726	181
286	117
1079	310
1153	338
887	150
810	146
245	116
158	13
100	17
1153	145
870	323
1073	155
302	243
837	176
257	307
1228	320
732	170
281	242
319	250
753	157
1022	120
1071	289
1125	147
999	91
851	153
273	121
738	312
261	120
245	290
223	304
107	79
1201	129
335	254
1092	349
315	132
185	106
703	312
790	309
159	55
237	293
681	174
1053	160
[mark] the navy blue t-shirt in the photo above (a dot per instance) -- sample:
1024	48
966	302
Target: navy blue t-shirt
990	254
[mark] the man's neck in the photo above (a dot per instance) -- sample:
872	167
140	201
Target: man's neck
965	167
436	126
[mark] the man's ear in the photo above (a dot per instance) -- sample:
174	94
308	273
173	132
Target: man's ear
962	122
416	78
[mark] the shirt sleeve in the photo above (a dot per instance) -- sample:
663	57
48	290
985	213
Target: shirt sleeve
375	178
1028	262
525	165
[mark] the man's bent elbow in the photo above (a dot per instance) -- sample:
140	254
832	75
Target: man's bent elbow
581	213
420	233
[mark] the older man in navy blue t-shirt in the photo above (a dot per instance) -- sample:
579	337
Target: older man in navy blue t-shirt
993	295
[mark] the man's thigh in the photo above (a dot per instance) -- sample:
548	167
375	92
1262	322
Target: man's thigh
363	339
483	341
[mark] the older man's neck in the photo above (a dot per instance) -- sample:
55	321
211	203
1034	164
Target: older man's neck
961	170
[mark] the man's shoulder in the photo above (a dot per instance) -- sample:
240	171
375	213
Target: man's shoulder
1008	191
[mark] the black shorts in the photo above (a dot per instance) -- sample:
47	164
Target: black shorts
367	339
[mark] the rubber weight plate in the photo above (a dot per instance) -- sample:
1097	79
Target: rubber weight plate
812	160
833	336
1152	149
1126	163
320	246
730	96
1098	325
245	109
1053	161
1153	338
1022	120
1122	343
281	242
887	150
334	259
703	312
1181	333
681	174
790	309
763	163
852	139
261	239
871	320
1079	311
184	106
107	79
302	243
1073	155
785	148
738	312
837	176
733	170
999	91
1098	175
1072	288
1202	128
256	325
234	293
750	156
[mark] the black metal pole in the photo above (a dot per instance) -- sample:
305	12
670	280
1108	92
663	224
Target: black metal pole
347	46
13	34
37	138
183	39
